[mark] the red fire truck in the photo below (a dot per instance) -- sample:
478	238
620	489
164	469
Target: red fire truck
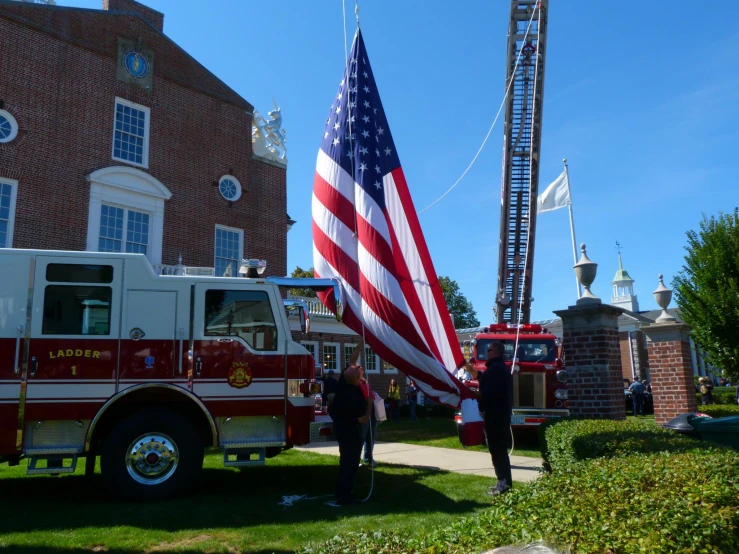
101	355
539	375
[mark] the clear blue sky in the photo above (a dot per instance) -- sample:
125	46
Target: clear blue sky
640	97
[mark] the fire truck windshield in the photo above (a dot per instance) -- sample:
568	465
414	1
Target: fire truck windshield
538	350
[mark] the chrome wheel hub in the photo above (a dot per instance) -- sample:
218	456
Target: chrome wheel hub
152	459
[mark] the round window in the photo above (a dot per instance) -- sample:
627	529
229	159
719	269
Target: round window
8	126
230	188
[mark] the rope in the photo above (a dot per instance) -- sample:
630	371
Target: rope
497	115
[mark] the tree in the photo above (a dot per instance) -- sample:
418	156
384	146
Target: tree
707	290
303	273
459	307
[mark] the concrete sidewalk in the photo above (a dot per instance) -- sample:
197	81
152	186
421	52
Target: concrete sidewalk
442	459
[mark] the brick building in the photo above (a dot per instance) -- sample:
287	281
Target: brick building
113	138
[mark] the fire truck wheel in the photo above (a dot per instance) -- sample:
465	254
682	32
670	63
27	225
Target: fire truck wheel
151	455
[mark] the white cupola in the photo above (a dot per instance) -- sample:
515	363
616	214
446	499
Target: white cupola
623	289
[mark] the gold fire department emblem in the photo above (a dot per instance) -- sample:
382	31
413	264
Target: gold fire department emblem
240	375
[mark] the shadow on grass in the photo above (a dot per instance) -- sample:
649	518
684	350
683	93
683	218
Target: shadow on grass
224	499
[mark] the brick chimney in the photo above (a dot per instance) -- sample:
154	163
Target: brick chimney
152	16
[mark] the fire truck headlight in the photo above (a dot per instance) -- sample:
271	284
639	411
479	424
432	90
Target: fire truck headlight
560	394
562	376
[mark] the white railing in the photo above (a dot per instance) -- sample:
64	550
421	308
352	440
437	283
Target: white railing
315	306
179	269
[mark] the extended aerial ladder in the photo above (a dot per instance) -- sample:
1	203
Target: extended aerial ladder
521	149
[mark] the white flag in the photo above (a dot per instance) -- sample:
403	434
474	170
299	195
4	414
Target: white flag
556	196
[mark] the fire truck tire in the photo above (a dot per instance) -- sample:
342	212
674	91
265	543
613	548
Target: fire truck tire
151	455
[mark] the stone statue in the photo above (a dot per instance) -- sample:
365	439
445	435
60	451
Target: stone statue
267	136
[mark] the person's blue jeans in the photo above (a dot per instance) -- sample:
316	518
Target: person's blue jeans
638	401
369	438
412	409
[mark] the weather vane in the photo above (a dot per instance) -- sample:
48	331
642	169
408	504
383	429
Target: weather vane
618	247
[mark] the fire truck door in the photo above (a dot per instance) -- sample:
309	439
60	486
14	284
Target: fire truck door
73	354
149	348
14	276
239	349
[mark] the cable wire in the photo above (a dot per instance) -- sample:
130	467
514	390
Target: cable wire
497	115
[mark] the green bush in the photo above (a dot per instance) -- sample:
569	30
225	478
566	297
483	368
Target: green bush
657	503
721	395
719	410
573	441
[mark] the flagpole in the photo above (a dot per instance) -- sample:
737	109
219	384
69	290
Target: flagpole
572	226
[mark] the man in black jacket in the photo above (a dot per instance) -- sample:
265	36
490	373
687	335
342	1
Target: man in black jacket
349	413
495	400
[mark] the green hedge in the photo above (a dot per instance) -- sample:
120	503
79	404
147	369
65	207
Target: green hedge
572	441
718	410
657	503
721	395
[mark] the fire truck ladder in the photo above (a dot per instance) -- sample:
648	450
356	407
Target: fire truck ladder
521	148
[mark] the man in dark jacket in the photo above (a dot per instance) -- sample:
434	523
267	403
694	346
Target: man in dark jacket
349	413
495	400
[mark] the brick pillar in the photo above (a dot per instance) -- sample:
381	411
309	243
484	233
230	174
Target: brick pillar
671	369
593	359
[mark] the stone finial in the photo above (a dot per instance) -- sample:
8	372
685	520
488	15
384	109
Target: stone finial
663	297
585	271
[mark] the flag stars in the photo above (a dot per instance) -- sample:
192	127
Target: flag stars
362	150
365	134
350	155
377	152
377	168
338	109
366	89
387	151
380	131
378	185
365	118
336	126
367	104
336	141
365	74
362	167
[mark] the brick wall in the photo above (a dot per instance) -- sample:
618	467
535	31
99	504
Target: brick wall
623	341
152	16
59	80
673	389
594	369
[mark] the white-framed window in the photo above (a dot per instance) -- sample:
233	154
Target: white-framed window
371	363
229	187
131	133
8	193
330	356
8	126
133	218
387	367
123	230
312	347
348	352
229	251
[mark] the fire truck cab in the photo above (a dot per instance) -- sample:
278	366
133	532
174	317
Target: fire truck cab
539	375
101	355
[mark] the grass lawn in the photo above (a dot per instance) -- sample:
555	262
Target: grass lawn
232	511
442	432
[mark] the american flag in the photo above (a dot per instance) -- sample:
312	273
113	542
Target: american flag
366	233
